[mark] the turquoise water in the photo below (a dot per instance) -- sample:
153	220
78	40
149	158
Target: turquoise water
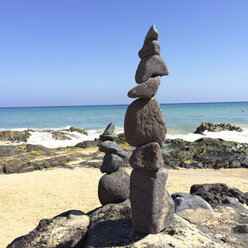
180	118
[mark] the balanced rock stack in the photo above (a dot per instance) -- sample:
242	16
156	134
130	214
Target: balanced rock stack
114	186
145	128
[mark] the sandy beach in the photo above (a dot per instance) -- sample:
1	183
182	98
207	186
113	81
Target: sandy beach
29	197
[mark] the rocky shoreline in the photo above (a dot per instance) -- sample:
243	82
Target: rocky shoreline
177	153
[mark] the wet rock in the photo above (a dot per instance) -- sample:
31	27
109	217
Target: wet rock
148	157
78	130
150	47
210	127
15	136
217	193
60	135
112	147
111	163
193	208
145	90
109	129
152	206
151	66
66	230
144	123
114	187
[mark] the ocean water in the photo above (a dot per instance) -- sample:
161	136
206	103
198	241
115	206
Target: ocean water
182	120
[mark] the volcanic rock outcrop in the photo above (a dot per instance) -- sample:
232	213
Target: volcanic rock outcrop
145	128
114	186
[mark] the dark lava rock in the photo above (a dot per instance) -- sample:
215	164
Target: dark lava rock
150	47
148	157
112	147
145	90
88	143
66	230
151	66
15	136
38	149
114	187
216	127
152	206
205	153
60	135
144	123
111	163
78	130
193	208
243	229
108	137
109	129
217	193
230	200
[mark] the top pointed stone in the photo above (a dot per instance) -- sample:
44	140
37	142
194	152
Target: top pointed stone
152	34
109	129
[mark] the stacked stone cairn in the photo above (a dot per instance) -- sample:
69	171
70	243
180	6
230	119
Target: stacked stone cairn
114	186
145	129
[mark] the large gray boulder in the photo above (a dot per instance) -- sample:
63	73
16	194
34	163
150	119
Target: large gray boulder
152	206
146	90
112	147
193	208
66	230
151	66
114	187
148	157
111	163
144	123
150	47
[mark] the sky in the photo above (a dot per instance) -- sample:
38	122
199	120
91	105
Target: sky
77	52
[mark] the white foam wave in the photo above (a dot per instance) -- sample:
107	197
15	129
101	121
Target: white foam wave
241	137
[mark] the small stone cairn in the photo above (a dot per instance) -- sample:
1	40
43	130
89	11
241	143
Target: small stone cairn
145	129
114	186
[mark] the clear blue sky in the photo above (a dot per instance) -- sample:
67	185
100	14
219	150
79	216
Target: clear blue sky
57	52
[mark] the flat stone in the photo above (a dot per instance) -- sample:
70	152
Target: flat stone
193	208
150	47
109	129
145	90
144	123
111	163
148	157
112	147
152	34
66	230
151	66
114	187
108	137
152	206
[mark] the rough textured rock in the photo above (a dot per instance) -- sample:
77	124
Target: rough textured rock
15	136
217	193
108	137
152	206
64	231
193	208
148	157
145	90
78	130
60	135
114	187
216	127
111	163
88	143
112	147
152	33
151	66
144	123
109	129
150	47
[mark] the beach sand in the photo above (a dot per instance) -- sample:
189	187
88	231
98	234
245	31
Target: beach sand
29	197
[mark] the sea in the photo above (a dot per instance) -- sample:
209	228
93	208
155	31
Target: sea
182	120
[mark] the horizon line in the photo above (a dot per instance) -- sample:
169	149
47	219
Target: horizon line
124	104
